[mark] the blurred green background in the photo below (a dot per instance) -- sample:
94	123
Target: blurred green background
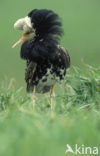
81	23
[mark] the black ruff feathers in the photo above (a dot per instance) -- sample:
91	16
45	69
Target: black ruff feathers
48	30
46	22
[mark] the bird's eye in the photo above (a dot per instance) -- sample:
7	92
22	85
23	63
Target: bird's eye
27	33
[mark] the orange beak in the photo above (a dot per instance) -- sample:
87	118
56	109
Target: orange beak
18	42
23	38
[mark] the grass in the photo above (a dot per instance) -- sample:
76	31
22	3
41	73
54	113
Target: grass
75	118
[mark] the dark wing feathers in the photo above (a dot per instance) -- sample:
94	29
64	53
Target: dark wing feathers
29	74
65	56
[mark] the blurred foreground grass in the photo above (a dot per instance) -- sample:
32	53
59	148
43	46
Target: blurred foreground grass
75	118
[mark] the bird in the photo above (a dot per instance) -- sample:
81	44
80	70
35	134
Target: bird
46	60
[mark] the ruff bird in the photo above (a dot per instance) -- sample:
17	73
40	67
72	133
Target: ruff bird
46	60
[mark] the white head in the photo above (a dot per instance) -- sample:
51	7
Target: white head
25	25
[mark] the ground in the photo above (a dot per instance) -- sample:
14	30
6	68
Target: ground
75	118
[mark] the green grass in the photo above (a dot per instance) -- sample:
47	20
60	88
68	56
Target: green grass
75	118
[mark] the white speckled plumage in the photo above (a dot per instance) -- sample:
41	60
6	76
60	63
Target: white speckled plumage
47	80
50	78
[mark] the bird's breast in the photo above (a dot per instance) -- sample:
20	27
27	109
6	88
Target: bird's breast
50	77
